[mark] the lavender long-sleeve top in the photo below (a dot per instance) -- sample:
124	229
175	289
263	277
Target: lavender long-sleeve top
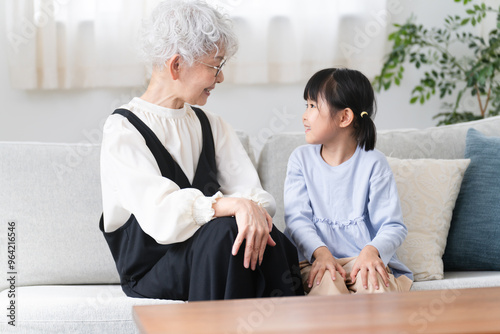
345	207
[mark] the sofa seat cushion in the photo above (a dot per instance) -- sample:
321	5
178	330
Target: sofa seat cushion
461	280
74	309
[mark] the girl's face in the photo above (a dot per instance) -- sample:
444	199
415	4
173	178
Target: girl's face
199	79
319	125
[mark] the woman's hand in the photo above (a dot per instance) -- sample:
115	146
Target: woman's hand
369	264
254	226
324	260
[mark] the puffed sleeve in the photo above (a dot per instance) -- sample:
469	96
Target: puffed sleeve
132	183
298	212
237	175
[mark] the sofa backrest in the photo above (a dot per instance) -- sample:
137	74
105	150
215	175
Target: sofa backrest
445	142
52	193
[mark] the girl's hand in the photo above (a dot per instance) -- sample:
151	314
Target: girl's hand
324	260
369	264
254	226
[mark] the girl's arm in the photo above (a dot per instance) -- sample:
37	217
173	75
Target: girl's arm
298	212
386	217
300	227
387	225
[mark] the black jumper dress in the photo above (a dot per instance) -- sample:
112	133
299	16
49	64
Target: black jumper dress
202	267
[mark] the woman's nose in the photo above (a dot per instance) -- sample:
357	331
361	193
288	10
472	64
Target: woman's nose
220	77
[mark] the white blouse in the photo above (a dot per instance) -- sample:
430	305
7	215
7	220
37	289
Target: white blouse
132	182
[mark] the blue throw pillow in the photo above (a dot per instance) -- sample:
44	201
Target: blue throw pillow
474	236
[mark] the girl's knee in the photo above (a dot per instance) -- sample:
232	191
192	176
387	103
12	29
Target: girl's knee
380	287
328	286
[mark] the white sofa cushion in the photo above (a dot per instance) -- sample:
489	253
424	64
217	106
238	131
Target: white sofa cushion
461	280
74	309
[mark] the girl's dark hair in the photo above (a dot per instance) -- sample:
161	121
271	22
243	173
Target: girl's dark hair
345	88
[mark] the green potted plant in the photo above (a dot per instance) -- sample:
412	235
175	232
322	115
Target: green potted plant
476	72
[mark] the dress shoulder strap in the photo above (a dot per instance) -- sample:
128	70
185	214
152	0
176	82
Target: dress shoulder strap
208	138
160	153
206	171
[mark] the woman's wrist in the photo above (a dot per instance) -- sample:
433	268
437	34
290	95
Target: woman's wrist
226	206
229	206
203	211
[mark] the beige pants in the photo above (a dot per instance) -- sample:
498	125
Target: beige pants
328	286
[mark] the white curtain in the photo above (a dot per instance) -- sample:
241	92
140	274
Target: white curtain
286	41
65	44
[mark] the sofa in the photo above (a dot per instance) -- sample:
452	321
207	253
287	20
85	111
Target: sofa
59	276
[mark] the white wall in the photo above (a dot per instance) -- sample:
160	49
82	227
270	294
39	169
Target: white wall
77	115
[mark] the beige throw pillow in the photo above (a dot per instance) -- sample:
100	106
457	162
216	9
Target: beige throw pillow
427	189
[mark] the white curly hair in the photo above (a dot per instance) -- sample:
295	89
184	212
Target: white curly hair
190	28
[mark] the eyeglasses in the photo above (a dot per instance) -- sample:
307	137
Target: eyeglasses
218	68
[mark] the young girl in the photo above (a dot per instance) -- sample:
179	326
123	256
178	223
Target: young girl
342	209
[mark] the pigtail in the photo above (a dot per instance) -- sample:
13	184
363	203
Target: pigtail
356	92
365	131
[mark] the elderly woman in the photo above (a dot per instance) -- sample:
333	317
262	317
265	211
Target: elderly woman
184	213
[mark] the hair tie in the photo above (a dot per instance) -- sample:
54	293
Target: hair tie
363	113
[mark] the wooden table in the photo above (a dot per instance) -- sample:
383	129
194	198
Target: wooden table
435	311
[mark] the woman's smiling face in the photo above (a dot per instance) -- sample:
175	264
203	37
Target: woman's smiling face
200	78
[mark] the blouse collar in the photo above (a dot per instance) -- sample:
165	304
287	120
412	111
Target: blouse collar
159	110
